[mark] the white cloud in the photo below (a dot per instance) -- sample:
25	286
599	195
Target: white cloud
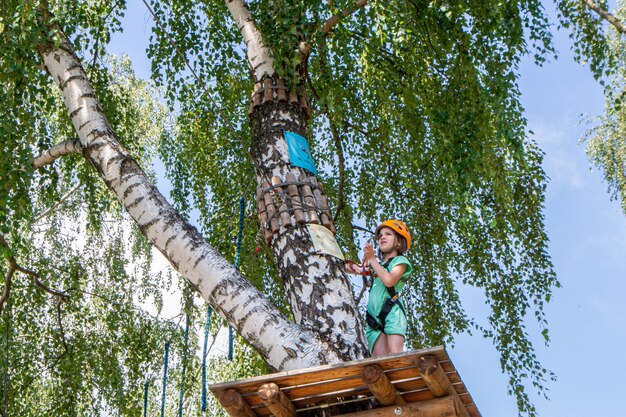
564	162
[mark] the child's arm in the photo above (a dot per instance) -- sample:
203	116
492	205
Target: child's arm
390	278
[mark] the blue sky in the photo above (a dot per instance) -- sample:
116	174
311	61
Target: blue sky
587	317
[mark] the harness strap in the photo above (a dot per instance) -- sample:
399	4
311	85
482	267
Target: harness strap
394	298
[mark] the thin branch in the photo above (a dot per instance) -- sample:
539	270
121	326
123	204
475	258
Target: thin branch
37	280
57	151
341	164
360	129
14	266
7	284
8	276
604	14
32	379
329	24
365	286
333	20
62	330
57	203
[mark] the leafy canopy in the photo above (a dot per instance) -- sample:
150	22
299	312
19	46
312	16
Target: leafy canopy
419	102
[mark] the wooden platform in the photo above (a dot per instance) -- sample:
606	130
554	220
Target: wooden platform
421	383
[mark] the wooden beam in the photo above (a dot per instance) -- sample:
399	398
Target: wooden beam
276	400
435	378
437	407
434	375
234	404
379	384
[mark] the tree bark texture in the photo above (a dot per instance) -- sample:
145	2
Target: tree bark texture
259	59
282	343
319	291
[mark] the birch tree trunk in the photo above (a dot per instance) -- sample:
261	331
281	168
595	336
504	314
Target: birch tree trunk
319	292
282	343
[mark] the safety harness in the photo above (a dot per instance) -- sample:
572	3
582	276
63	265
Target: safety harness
394	299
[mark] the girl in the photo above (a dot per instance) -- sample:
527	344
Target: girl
386	319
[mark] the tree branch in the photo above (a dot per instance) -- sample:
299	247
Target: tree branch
57	151
333	20
281	342
329	24
8	276
604	14
61	329
57	203
259	59
14	266
37	281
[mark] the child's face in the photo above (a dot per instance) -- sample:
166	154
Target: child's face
386	240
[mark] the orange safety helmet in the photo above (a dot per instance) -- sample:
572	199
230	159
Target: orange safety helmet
397	226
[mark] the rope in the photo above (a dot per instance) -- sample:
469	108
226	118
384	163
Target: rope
231	343
242	209
182	377
145	398
207	327
165	361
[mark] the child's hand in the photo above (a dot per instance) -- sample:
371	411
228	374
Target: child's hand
352	267
368	253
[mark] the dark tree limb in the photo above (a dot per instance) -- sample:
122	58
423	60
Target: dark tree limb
8	276
329	24
606	15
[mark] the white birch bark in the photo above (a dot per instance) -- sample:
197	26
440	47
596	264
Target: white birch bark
319	291
259	59
57	151
282	343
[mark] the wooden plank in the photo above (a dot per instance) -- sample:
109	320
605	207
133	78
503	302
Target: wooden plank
440	407
327	372
418	395
331	386
408	377
460	388
453	377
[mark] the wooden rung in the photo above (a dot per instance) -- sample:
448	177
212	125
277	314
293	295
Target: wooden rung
309	200
281	92
268	96
296	202
293	97
276	400
256	97
234	404
271	210
379	384
440	407
434	376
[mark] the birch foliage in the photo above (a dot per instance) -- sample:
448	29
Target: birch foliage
600	44
415	115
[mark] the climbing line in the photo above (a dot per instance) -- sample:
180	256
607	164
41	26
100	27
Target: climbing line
207	327
242	209
145	398
182	377
165	361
